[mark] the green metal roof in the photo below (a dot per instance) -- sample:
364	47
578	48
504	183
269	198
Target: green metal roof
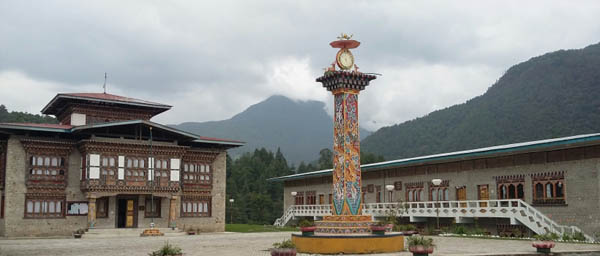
73	129
459	155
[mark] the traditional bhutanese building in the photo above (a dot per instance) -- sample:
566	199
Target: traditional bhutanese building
106	165
532	187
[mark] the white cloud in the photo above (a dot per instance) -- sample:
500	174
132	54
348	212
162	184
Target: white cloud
211	60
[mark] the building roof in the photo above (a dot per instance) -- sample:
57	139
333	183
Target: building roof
531	146
58	128
36	127
54	106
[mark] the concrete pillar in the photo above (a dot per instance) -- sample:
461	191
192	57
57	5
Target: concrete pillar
173	212
91	210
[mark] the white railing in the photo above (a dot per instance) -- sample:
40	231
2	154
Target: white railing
514	209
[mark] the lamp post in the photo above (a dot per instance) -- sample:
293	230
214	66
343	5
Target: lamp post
437	182
389	188
294	193
231	200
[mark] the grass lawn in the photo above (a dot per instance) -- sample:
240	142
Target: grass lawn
248	228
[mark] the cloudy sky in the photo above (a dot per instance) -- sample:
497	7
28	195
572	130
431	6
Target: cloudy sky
213	59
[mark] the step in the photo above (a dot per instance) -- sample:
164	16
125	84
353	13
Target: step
127	232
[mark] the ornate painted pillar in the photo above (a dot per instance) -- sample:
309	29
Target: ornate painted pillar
173	212
345	86
91	210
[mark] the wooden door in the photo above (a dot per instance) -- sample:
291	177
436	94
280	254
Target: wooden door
321	199
130	214
484	194
461	195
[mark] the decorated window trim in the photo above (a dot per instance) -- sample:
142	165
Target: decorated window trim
414	191
197	173
196	206
440	192
510	187
549	188
44	206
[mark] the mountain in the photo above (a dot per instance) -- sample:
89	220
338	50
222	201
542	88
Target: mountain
300	128
553	95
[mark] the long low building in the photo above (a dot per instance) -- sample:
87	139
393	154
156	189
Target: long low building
106	165
539	186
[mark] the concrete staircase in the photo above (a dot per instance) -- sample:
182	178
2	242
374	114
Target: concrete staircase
126	232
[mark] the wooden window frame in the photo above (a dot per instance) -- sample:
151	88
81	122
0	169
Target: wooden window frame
129	169
554	182
311	197
148	213
196	173
104	202
44	200
204	201
37	172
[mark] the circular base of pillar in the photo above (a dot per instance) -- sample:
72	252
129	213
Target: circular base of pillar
356	244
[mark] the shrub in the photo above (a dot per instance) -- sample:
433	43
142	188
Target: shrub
285	244
578	236
566	237
459	230
167	250
306	223
546	237
420	241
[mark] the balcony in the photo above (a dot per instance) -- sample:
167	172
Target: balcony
138	184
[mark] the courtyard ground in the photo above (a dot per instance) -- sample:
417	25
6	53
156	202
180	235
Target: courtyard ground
235	244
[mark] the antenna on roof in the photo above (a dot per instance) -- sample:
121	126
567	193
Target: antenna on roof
104	86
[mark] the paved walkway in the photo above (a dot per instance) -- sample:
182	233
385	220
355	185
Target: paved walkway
246	244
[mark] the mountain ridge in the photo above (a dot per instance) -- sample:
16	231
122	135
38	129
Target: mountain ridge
299	128
548	96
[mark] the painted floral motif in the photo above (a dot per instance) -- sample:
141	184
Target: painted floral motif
346	163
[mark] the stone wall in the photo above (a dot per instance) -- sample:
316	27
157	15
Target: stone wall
215	223
15	223
581	182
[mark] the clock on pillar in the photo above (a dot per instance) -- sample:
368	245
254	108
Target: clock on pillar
345	85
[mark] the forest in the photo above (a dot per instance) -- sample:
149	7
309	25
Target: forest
258	201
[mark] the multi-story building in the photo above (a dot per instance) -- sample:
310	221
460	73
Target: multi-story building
106	165
539	186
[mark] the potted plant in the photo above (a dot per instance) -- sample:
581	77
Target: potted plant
167	250
543	243
78	233
285	248
420	246
307	227
378	228
191	231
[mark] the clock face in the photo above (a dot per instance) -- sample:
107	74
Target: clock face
345	59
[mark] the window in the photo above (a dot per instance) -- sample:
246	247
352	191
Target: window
161	168
311	197
44	207
196	207
108	169
152	208
549	188
414	191
299	200
440	192
197	173
102	207
135	169
510	187
47	168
